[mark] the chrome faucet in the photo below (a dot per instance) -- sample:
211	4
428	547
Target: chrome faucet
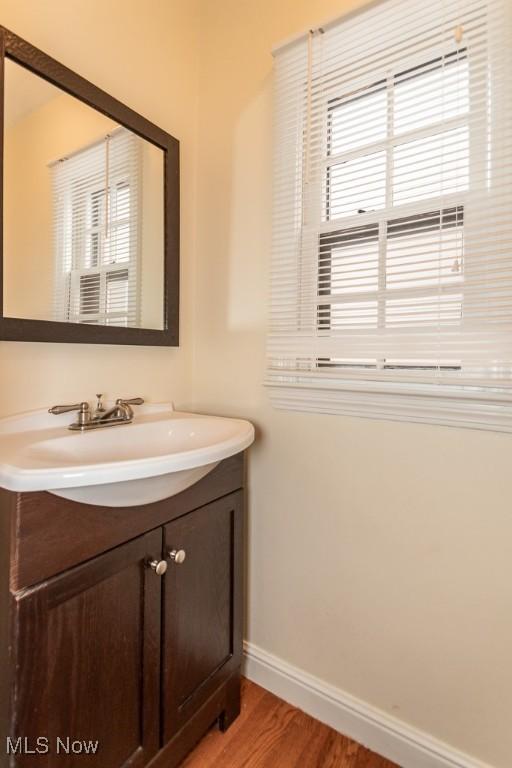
120	413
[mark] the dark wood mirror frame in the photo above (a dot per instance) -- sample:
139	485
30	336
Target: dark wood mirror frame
18	329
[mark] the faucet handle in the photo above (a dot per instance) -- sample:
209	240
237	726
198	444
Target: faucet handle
84	414
57	409
132	401
127	404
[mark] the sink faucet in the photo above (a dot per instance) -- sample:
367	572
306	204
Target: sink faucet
120	413
121	410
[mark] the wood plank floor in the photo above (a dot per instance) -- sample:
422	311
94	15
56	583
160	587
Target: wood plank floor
272	734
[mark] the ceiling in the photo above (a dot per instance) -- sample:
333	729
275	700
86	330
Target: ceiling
24	92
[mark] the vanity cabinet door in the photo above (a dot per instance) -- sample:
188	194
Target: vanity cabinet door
87	656
202	608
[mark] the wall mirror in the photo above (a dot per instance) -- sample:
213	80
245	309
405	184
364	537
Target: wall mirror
90	211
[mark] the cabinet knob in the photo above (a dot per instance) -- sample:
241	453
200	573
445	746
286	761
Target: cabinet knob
159	566
178	556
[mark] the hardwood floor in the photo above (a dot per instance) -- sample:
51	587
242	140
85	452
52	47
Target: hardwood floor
272	734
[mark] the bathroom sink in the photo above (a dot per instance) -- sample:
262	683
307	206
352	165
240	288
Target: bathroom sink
159	454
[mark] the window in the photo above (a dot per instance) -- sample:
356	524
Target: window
397	155
96	213
392	265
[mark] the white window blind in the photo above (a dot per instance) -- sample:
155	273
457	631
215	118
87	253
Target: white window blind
96	202
392	259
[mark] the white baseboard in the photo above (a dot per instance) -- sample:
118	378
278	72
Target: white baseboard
386	735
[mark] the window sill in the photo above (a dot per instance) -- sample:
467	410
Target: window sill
470	407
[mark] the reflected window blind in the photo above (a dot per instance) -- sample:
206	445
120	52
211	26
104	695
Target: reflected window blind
96	204
392	257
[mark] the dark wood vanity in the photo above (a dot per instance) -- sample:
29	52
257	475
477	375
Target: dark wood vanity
97	646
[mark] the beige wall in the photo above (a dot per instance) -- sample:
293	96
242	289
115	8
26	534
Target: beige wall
145	54
152	237
379	553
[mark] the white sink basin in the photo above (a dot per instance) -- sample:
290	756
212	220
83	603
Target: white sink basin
159	454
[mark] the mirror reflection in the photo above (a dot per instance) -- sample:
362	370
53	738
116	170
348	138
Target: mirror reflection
83	212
